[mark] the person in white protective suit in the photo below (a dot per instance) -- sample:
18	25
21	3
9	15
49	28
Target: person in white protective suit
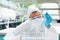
32	29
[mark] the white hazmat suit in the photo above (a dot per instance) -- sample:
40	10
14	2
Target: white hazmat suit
32	29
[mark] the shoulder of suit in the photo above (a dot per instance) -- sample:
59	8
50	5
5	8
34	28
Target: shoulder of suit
26	22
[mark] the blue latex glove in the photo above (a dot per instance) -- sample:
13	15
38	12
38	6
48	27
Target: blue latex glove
48	20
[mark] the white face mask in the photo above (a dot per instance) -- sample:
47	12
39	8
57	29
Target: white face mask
37	19
36	23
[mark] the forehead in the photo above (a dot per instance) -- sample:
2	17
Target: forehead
35	12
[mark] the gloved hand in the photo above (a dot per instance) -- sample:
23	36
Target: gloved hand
48	20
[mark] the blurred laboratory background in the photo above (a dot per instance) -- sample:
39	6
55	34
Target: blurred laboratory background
13	13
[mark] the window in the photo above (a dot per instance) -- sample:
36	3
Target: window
51	9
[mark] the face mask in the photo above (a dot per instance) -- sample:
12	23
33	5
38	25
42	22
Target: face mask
36	23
